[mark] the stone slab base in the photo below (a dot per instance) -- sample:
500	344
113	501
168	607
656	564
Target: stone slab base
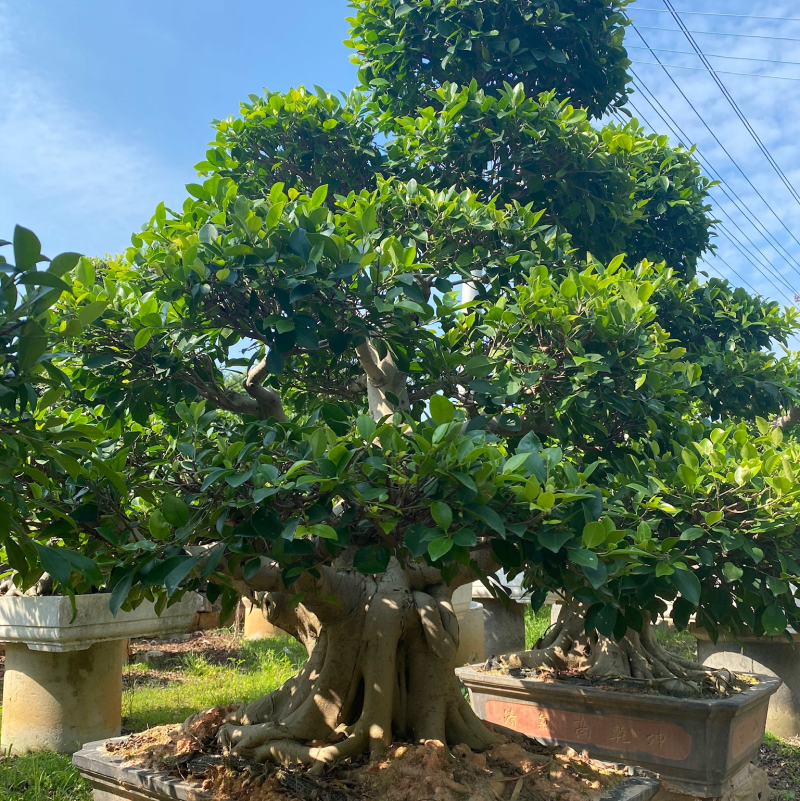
749	784
113	780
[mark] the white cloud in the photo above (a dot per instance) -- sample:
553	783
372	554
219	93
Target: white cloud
63	172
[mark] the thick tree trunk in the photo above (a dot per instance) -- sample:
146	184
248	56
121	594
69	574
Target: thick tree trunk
381	665
637	656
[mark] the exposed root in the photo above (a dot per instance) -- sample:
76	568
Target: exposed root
637	656
381	665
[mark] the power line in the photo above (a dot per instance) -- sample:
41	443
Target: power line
729	192
740	277
722	72
719	14
745	212
734	105
715	55
717	140
738	245
724	33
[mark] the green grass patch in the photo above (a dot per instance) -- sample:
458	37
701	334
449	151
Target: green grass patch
681	643
262	666
536	624
41	777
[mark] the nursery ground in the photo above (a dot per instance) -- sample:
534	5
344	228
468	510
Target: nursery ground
218	667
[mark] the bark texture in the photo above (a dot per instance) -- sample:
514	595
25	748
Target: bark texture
381	665
637	656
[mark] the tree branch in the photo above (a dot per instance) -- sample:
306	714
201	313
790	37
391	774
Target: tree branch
266	397
366	356
792	417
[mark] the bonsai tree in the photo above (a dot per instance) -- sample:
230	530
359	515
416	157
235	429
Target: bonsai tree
392	343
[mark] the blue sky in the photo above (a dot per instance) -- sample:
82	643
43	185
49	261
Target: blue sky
105	106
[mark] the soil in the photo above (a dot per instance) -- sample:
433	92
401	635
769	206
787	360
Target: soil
782	767
624	684
515	769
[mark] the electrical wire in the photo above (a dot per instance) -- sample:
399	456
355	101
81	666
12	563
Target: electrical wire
721	72
729	192
724	33
720	14
735	106
714	55
750	256
717	140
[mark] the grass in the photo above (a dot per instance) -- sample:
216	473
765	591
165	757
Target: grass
781	759
262	666
41	777
536	624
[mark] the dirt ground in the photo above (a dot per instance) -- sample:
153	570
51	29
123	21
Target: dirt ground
781	761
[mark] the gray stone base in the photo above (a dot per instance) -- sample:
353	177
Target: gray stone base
112	780
504	630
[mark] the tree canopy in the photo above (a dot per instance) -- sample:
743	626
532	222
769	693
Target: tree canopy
285	374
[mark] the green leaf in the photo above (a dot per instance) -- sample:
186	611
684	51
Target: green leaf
27	249
89	313
439	547
63	264
276	361
553	539
465	538
731	572
442	515
773	619
479	366
488	516
583	557
55	563
173	580
372	559
594	534
32	344
692	533
366	427
319	196
442	410
687	584
712	518
143	336
86	567
569	288
208	234
175	511
120	592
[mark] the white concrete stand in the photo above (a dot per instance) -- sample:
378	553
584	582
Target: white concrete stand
63	680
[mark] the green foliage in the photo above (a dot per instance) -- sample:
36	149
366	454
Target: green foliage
616	189
407	49
593	420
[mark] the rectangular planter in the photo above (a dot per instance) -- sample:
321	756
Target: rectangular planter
695	745
113	780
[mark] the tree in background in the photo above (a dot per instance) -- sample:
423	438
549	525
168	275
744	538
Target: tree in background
300	403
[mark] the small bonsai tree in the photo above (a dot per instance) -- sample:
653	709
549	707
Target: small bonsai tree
392	343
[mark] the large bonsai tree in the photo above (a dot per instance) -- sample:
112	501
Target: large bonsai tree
392	343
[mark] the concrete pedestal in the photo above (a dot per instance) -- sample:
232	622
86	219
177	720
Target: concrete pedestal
57	701
63	679
471	642
504	629
770	656
256	626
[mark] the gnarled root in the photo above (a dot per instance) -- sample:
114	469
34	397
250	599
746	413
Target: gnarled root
638	656
380	665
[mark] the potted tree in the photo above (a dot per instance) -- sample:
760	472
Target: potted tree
386	439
